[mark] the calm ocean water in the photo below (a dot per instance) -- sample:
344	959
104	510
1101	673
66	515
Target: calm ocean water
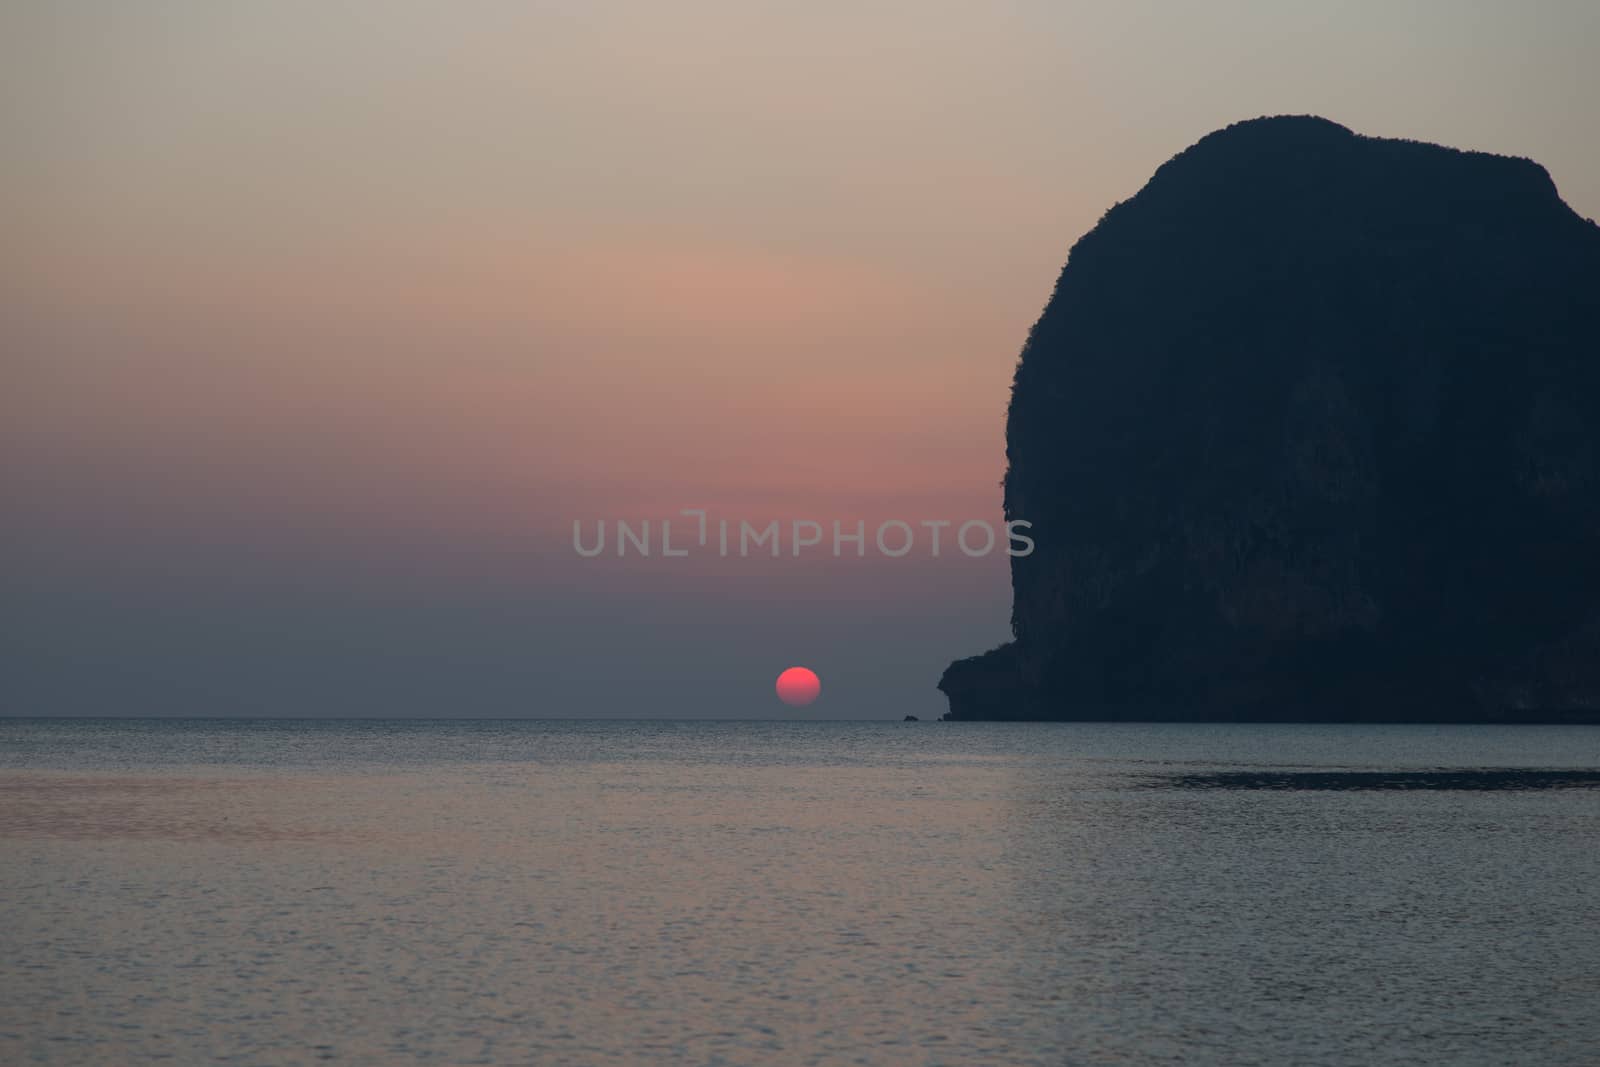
797	893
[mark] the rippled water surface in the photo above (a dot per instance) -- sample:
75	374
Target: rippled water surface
796	893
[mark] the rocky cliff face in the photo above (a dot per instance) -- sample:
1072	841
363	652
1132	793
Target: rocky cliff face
1310	430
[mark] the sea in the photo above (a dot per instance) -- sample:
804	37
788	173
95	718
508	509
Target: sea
797	892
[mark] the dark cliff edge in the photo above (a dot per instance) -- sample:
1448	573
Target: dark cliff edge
1310	431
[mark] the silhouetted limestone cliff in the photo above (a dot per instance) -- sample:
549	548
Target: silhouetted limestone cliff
1310	430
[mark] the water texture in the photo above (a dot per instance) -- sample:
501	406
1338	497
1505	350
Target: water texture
560	892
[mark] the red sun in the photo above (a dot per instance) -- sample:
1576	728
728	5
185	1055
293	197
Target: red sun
798	686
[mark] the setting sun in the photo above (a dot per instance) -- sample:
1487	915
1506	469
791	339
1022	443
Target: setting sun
798	686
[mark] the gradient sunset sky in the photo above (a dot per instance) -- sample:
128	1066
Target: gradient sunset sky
321	322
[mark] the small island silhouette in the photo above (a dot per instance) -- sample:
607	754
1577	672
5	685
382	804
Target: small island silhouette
1310	431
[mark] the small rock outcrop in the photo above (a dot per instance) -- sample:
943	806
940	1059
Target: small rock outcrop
1310	431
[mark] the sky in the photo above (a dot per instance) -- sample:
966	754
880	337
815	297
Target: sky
321	323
